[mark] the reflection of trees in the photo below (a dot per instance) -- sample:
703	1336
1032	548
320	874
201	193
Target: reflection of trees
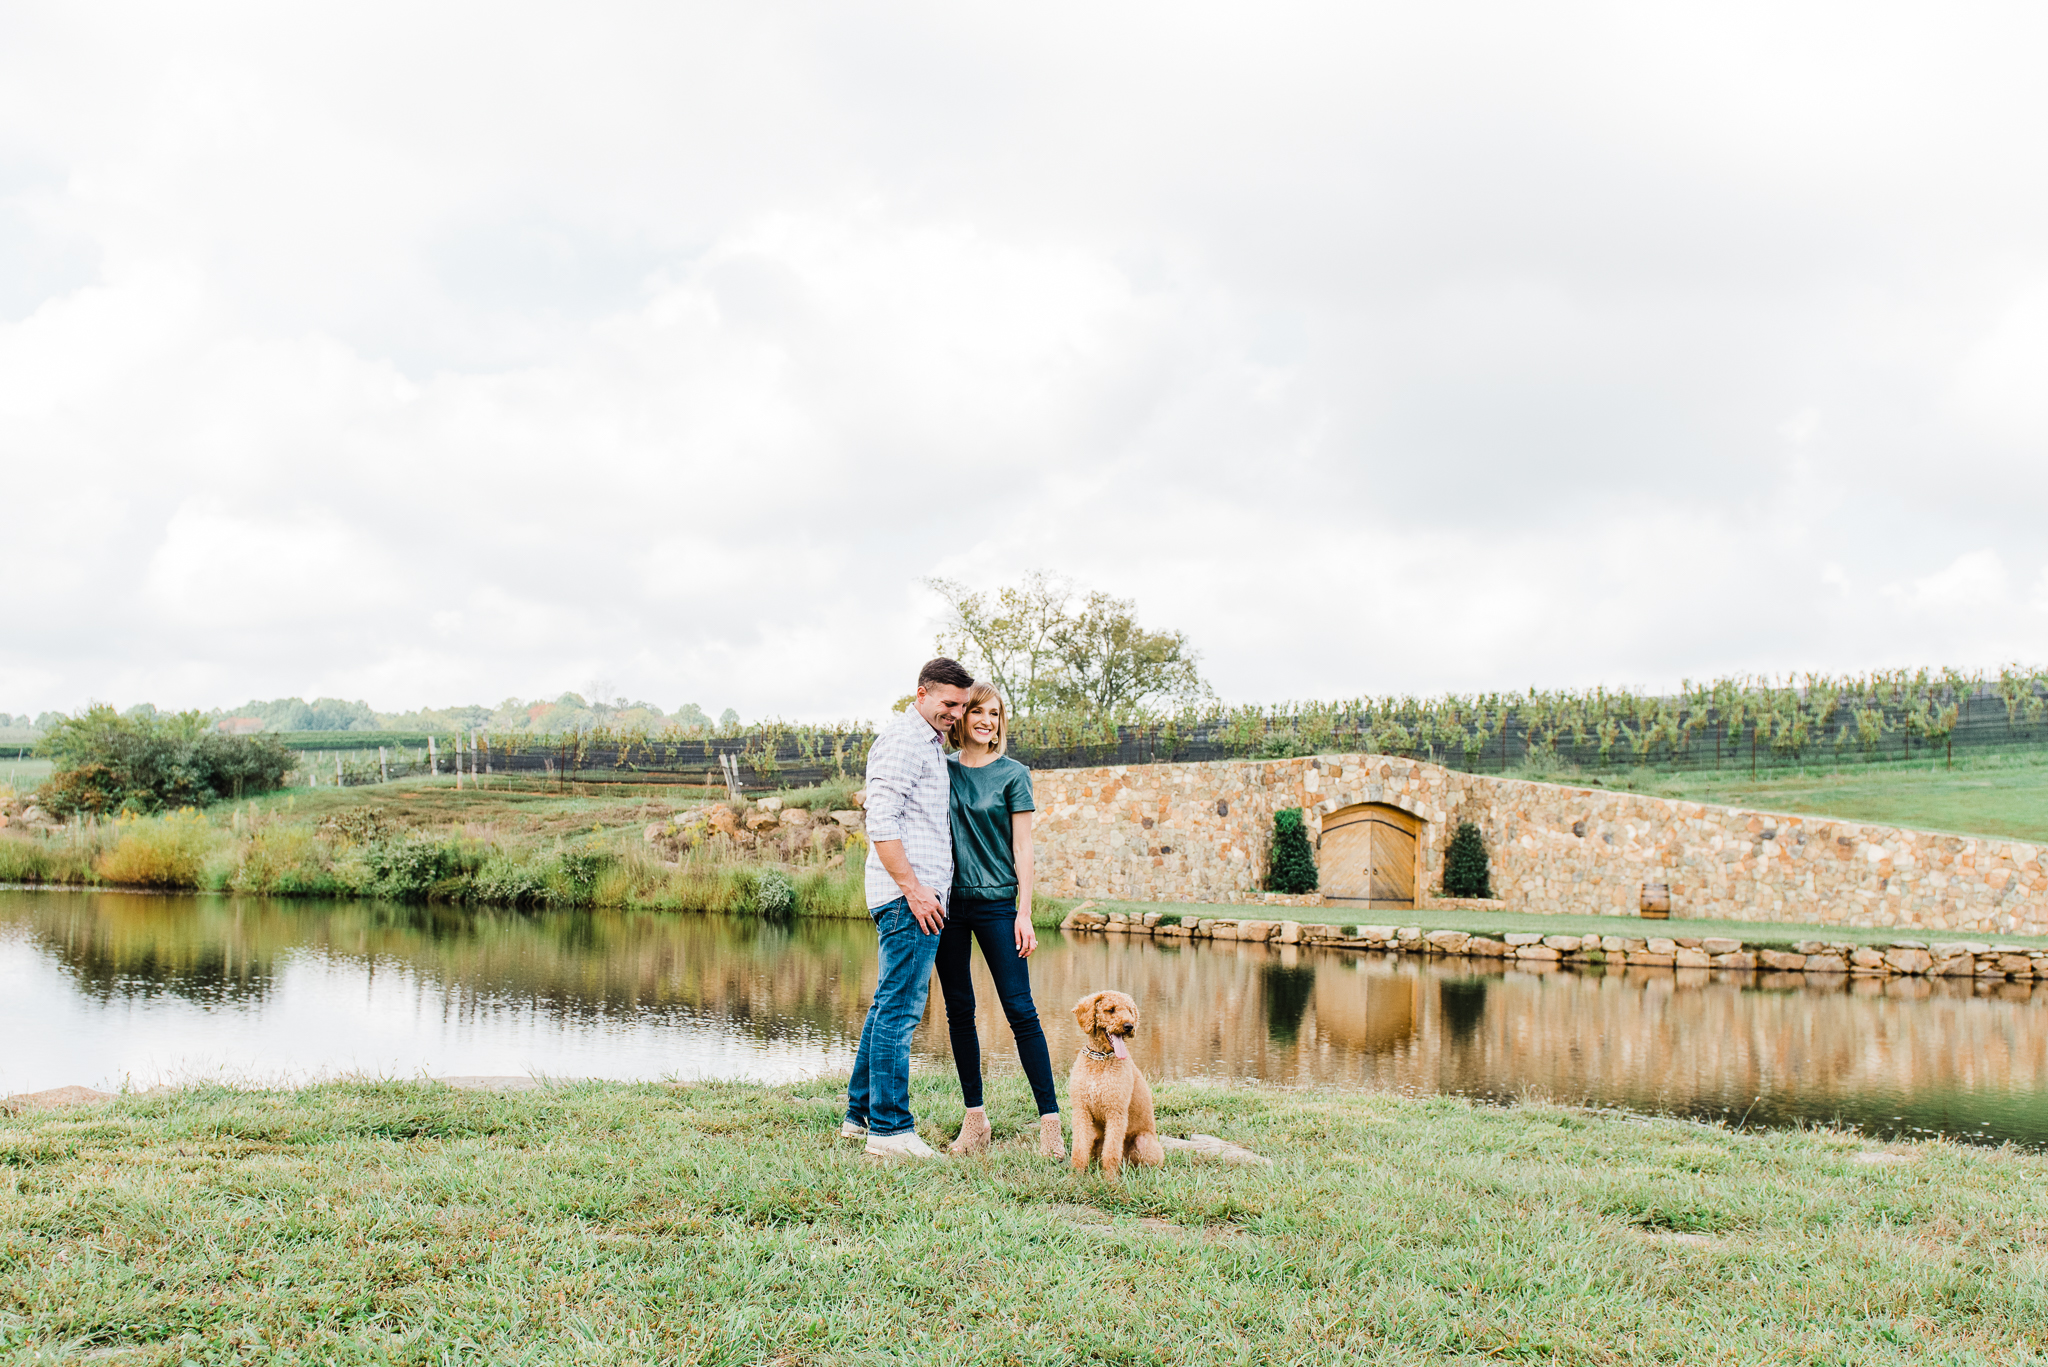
772	982
115	947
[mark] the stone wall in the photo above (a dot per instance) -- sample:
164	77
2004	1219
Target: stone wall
1199	833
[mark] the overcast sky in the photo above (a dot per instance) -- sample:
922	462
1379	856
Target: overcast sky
431	353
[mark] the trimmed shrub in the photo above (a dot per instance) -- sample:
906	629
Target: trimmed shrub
1465	871
1293	868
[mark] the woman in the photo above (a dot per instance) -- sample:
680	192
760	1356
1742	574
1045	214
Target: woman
991	902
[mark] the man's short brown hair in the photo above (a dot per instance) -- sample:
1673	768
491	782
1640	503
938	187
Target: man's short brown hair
945	673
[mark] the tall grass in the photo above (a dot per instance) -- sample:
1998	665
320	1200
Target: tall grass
163	852
281	856
26	859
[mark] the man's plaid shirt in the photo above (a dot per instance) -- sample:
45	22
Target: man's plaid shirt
910	799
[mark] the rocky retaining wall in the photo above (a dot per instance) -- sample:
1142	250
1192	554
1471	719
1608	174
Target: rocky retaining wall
1200	833
1900	958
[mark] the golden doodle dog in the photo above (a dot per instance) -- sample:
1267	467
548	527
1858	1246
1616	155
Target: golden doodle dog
1111	1102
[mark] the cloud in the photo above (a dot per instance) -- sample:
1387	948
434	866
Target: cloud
1381	348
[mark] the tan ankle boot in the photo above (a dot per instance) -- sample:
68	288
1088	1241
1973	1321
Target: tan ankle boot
1050	1145
974	1133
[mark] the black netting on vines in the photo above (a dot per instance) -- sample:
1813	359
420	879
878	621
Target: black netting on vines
1728	725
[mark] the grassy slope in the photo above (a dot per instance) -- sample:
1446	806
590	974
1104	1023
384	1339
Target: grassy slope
2005	796
606	1223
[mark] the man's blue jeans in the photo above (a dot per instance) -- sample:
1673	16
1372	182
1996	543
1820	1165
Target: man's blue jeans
879	1094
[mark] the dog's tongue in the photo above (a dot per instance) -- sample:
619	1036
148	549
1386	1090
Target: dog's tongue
1116	1043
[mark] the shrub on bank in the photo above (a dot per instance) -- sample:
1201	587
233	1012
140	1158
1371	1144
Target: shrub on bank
105	762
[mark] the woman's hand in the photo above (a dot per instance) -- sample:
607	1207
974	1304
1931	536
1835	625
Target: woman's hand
1027	935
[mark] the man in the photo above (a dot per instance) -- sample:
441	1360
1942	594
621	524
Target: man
909	876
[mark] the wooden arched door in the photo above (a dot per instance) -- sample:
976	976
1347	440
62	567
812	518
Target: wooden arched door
1366	856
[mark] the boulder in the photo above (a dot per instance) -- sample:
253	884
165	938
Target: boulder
1373	932
1864	959
1643	958
2019	965
1613	944
1955	966
760	820
1407	933
1717	944
1537	953
1740	959
1906	957
722	819
850	820
769	804
1688	957
1256	930
860	799
1447	941
654	832
797	816
1780	960
1518	939
1562	943
1480	945
1658	944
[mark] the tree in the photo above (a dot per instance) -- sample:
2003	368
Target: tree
1108	663
1293	865
1006	637
1465	871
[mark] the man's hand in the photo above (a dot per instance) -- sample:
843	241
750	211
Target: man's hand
1027	935
925	906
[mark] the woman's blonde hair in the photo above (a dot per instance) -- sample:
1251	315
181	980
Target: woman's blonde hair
976	696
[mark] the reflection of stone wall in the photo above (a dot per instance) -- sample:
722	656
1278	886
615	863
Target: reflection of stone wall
1198	832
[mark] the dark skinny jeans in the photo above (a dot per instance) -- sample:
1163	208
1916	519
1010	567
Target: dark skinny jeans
994	924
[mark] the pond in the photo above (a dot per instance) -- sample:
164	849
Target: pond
104	989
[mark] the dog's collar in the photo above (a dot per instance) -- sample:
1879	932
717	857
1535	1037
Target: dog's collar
1100	1055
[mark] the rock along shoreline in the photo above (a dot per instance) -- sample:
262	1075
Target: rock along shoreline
1824	958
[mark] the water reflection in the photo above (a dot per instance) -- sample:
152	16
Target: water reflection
95	988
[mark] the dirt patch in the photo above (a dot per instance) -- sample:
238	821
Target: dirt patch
1884	1158
55	1099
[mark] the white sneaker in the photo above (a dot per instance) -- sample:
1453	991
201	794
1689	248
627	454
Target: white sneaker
905	1145
849	1130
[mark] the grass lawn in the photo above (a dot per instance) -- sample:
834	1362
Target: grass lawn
2001	795
22	774
608	1223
